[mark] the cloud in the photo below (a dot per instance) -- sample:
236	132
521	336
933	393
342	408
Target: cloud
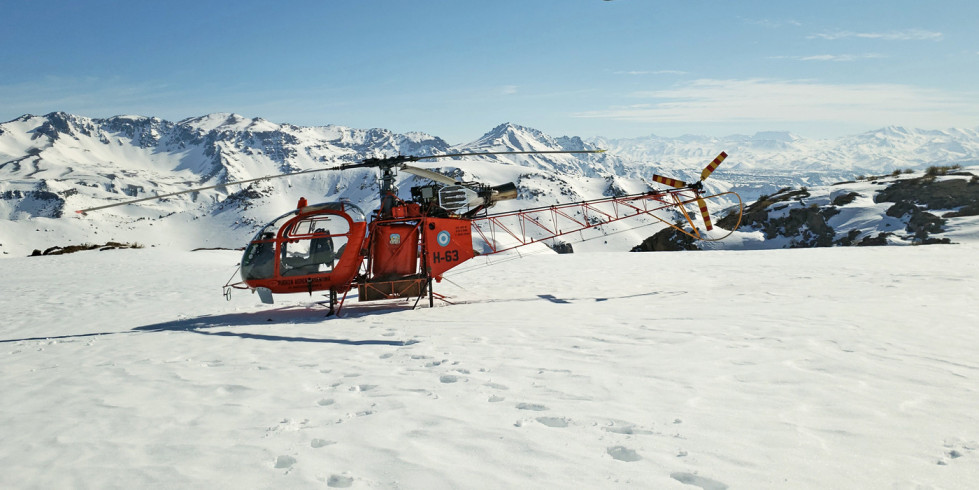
905	35
649	72
771	23
508	89
832	57
709	101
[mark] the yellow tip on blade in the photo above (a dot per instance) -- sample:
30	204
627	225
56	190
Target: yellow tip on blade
712	166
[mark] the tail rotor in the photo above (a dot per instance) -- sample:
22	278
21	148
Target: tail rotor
696	187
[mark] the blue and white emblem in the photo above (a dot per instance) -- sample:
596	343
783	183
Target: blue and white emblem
443	238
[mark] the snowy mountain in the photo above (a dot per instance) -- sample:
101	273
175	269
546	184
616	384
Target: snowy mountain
768	161
54	164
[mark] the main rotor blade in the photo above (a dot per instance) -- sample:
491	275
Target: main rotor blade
712	166
451	155
368	162
198	189
429	174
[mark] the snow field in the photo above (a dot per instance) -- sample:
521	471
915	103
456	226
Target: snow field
815	368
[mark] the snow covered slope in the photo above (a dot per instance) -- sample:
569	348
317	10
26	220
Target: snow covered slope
812	368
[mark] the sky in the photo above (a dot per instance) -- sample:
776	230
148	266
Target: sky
620	68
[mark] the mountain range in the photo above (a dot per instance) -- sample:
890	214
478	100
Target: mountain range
54	164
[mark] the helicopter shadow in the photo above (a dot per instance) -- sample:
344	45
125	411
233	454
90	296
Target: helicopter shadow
289	315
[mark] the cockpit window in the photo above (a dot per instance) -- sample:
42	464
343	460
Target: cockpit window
314	245
259	259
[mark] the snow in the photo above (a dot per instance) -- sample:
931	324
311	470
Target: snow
810	368
225	121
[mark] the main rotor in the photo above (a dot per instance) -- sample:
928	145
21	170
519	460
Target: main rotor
386	166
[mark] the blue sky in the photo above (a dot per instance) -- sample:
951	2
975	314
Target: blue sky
455	69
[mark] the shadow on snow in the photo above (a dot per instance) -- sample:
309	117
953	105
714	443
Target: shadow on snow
291	315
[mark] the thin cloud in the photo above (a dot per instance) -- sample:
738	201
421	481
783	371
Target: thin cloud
832	57
905	35
649	72
773	101
771	23
508	89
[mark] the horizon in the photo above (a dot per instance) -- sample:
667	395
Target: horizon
517	124
614	69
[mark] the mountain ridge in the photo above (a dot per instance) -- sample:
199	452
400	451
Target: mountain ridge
55	163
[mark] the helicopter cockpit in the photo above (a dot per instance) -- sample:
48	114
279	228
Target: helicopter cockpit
308	241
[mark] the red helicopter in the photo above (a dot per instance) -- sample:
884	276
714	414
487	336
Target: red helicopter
406	245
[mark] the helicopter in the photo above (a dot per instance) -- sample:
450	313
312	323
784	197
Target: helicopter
404	246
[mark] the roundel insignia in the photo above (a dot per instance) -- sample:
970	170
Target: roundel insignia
443	238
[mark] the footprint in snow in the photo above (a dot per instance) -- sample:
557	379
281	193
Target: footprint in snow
284	462
625	428
448	378
325	402
623	453
339	481
536	407
559	422
956	450
318	443
697	481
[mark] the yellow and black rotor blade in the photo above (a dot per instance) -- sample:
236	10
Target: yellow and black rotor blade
712	166
679	184
704	213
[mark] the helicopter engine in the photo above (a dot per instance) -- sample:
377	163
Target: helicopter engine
464	197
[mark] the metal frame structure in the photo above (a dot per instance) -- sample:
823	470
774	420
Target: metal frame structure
526	226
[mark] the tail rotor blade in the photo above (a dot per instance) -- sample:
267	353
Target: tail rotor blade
712	166
679	184
703	212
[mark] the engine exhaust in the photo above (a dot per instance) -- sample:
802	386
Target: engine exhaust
503	192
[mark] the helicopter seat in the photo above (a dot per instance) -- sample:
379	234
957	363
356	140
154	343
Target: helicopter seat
295	268
321	250
319	259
